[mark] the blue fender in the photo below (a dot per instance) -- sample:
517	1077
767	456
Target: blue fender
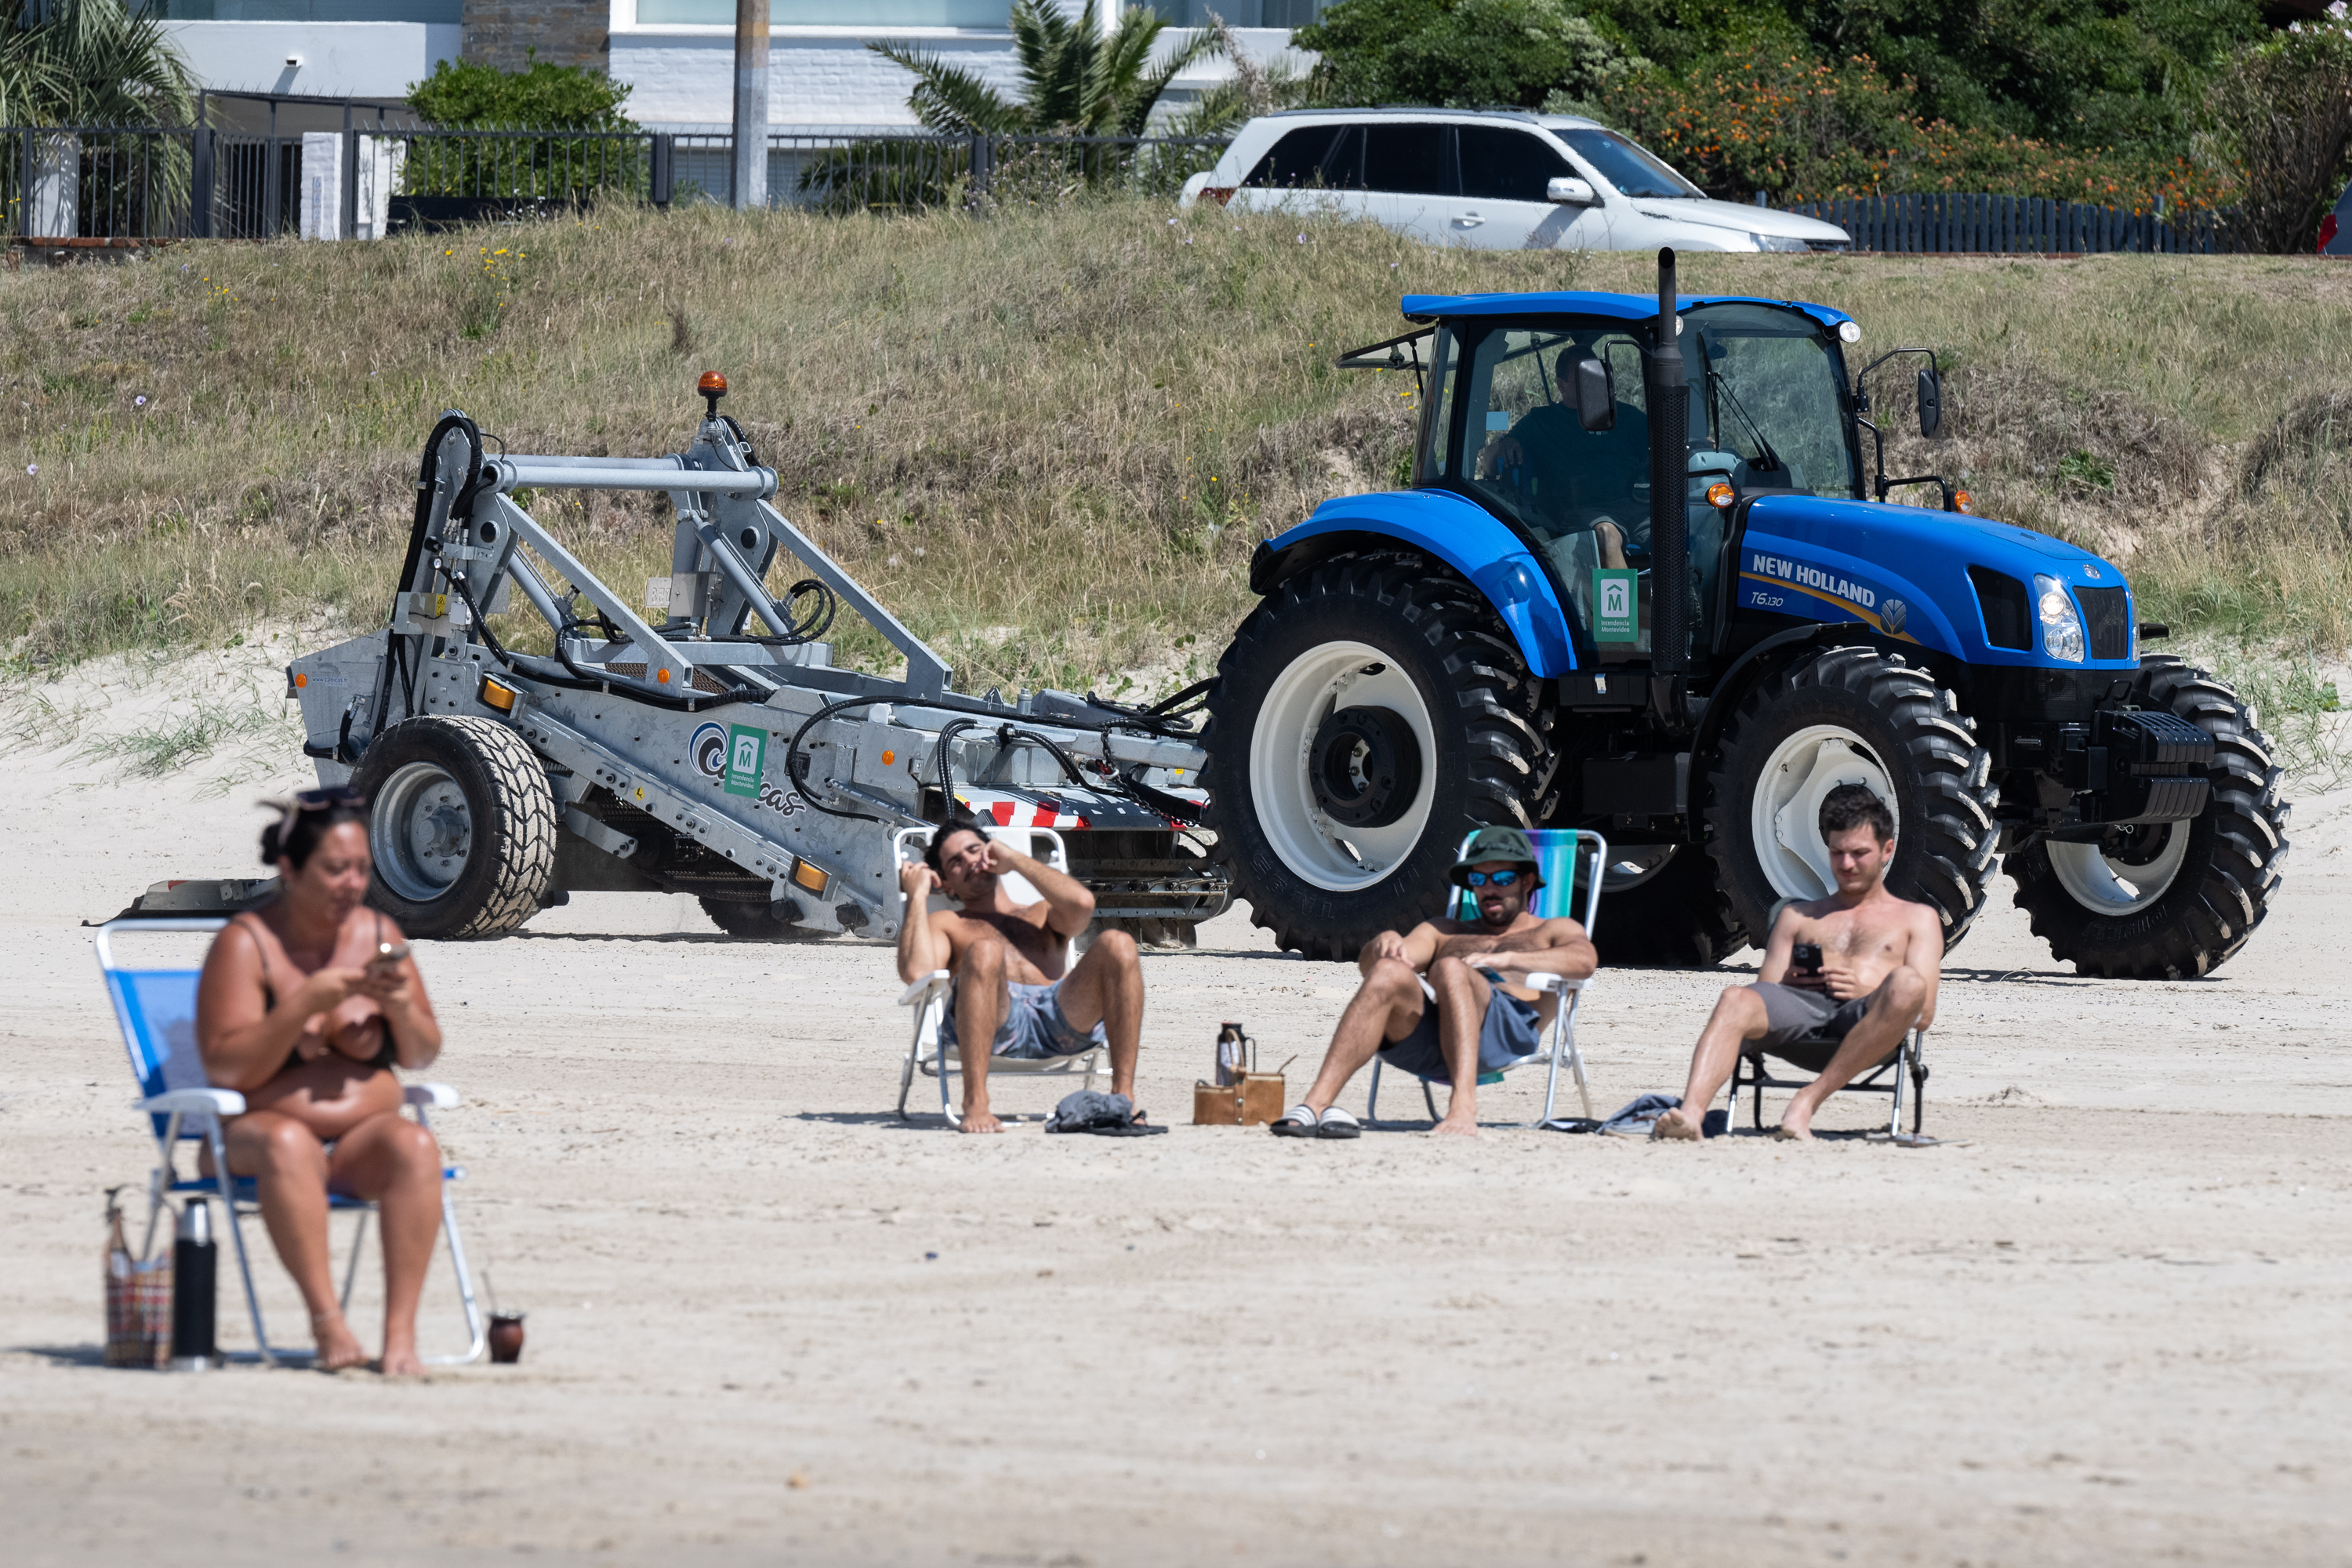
1453	530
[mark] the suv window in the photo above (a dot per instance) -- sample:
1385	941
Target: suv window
1313	157
1500	165
1635	173
1416	159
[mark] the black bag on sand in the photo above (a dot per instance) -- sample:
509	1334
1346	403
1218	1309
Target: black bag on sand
1104	1115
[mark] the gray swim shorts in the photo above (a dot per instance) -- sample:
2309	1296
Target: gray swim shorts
1791	1013
1035	1025
1510	1032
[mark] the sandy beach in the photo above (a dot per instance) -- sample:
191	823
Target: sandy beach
770	1321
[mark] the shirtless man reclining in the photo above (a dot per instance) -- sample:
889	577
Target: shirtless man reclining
1016	986
1879	959
1480	1020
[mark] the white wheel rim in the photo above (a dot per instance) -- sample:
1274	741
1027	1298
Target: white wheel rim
1327	854
1785	817
2107	886
420	832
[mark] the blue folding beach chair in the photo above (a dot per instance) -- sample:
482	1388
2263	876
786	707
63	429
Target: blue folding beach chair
1564	854
157	1009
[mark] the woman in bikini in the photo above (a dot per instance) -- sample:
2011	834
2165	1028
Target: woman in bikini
302	1010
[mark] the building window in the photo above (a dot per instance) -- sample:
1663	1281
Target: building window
992	14
449	11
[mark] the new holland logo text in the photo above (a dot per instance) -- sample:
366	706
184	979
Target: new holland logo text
1806	575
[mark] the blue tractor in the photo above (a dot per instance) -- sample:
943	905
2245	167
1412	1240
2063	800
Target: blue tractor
1647	582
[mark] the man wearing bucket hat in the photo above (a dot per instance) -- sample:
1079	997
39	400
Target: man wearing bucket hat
1469	1016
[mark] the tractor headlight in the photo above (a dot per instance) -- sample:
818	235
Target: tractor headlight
2061	624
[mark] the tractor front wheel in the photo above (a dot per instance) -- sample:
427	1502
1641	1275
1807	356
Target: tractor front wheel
756	920
1851	715
2165	900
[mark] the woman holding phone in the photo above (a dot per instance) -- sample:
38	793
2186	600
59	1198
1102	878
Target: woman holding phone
305	1006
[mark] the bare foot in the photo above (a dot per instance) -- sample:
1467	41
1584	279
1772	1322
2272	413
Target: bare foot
1676	1126
338	1346
400	1361
1464	1126
980	1121
1796	1123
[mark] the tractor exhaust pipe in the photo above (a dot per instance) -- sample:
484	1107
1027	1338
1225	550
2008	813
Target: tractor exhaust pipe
1667	390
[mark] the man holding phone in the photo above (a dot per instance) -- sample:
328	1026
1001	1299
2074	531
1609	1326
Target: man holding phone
1859	966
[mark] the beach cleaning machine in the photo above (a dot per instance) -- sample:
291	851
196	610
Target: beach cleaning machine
706	744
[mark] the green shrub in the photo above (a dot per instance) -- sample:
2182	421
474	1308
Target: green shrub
1467	53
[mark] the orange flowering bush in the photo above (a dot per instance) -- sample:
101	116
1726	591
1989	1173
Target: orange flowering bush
1769	119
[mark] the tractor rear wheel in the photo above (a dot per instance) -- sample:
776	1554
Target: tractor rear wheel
461	825
1370	713
2166	901
1851	715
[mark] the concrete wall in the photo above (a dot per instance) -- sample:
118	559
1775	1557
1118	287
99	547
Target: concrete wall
506	33
337	60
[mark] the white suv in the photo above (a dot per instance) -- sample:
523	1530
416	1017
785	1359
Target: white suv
1496	180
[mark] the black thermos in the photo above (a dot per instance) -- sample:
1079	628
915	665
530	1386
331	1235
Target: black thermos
193	1256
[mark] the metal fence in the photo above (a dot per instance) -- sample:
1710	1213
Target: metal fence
1990	225
67	185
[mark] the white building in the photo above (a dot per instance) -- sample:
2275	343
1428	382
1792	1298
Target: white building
677	56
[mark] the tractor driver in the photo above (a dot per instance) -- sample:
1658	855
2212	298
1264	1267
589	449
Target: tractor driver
1015	984
1577	478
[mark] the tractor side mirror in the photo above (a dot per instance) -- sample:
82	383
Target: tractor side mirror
1596	400
1931	402
1563	190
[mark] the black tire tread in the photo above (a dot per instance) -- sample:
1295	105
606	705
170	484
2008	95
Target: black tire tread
522	823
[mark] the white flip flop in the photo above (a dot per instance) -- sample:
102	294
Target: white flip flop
1298	1121
1337	1123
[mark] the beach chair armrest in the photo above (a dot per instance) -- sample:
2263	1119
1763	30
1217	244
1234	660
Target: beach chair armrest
1560	984
221	1102
435	1096
921	990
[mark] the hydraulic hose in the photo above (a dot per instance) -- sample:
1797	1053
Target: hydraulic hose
533	667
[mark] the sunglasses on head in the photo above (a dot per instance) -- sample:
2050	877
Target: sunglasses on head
1482	879
328	799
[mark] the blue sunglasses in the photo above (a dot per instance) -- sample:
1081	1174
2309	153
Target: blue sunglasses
1480	879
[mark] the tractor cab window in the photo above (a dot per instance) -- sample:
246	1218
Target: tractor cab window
1771	388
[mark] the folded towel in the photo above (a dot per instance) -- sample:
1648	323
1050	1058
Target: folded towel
1104	1115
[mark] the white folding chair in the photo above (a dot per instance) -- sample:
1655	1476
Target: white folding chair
1563	851
1907	1061
929	994
156	1011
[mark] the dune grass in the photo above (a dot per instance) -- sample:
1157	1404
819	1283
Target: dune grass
1052	439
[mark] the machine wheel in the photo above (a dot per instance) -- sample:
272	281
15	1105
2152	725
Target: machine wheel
1370	713
461	825
756	922
1851	715
2168	900
1670	915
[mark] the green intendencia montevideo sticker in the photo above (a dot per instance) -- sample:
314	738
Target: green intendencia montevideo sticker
1616	606
747	756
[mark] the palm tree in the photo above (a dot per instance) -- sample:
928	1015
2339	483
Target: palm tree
89	62
92	63
1074	81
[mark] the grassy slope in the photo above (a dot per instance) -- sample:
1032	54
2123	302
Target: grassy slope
1050	440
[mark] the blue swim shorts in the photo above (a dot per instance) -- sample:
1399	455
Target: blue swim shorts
1035	1025
1511	1032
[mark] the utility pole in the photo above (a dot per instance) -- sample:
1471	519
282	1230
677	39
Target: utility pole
751	104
